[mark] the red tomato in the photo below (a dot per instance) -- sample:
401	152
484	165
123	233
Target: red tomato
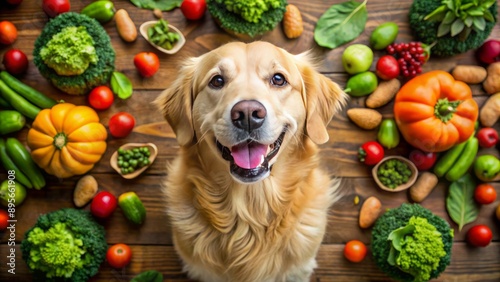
147	63
485	194
119	255
121	124
355	251
479	235
101	98
8	32
15	61
371	153
387	67
422	160
103	204
4	217
55	7
193	9
487	137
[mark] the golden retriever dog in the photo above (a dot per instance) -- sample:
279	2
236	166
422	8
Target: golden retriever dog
246	196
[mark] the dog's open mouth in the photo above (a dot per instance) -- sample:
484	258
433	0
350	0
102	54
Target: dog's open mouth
249	160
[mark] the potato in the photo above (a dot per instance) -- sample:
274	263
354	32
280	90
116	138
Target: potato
85	190
490	111
125	26
383	94
424	185
370	211
469	74
492	83
365	118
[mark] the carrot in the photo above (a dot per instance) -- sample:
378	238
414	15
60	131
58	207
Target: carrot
125	26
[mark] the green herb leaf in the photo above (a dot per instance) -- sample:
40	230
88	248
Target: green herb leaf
148	276
121	85
449	17
477	11
468	21
460	202
488	16
437	15
456	27
164	5
479	23
340	24
443	29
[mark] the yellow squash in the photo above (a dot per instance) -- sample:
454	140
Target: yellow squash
67	140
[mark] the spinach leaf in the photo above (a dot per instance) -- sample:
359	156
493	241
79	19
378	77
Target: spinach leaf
460	202
148	276
121	85
164	5
340	24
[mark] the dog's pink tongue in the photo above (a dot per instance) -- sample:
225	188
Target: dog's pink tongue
248	155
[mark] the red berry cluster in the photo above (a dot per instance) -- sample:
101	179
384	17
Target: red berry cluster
410	56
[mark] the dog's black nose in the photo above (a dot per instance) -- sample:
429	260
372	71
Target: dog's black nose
248	115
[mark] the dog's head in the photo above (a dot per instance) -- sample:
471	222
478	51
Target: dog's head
249	102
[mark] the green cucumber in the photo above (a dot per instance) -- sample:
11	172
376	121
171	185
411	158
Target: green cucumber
11	121
23	160
9	164
465	160
446	162
4	104
103	11
18	102
132	207
34	96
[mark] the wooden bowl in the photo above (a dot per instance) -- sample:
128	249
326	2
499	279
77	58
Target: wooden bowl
114	158
143	29
411	180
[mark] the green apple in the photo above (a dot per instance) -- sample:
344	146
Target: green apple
13	189
357	58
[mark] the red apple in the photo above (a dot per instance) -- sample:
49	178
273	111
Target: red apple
489	52
387	67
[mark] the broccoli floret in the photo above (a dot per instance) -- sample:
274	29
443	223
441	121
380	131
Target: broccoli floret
64	245
423	254
426	30
96	74
236	21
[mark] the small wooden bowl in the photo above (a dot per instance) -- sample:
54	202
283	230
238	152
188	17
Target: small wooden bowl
143	29
114	158
411	180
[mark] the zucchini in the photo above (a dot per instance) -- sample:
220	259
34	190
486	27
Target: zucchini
34	96
132	207
23	160
11	121
9	164
18	102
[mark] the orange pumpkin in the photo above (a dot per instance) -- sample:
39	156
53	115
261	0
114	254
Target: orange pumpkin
434	112
67	140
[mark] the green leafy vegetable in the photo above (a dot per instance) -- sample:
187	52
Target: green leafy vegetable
161	35
148	276
460	201
340	24
250	10
164	5
121	85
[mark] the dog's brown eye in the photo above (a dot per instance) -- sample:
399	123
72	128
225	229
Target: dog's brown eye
217	81
278	79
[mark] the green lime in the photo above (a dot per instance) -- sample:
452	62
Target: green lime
13	193
361	84
383	35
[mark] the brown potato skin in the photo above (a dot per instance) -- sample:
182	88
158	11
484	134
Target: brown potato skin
125	26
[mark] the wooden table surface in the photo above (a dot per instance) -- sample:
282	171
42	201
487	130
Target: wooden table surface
152	243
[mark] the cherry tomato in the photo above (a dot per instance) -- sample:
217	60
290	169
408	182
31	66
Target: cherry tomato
4	217
387	67
103	204
485	194
15	61
101	98
193	9
121	124
119	255
371	153
8	32
355	251
479	235
55	7
487	137
147	63
422	160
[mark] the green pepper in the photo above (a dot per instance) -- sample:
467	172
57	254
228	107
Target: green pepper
388	134
132	207
486	167
464	162
103	11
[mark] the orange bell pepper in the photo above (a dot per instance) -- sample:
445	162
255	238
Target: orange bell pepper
434	112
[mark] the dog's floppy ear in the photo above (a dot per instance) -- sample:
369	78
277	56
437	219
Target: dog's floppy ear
176	103
322	97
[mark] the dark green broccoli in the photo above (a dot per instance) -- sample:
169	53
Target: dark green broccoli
410	243
64	245
96	74
426	31
261	20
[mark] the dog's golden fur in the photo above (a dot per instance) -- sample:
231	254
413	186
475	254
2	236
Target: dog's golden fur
265	230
